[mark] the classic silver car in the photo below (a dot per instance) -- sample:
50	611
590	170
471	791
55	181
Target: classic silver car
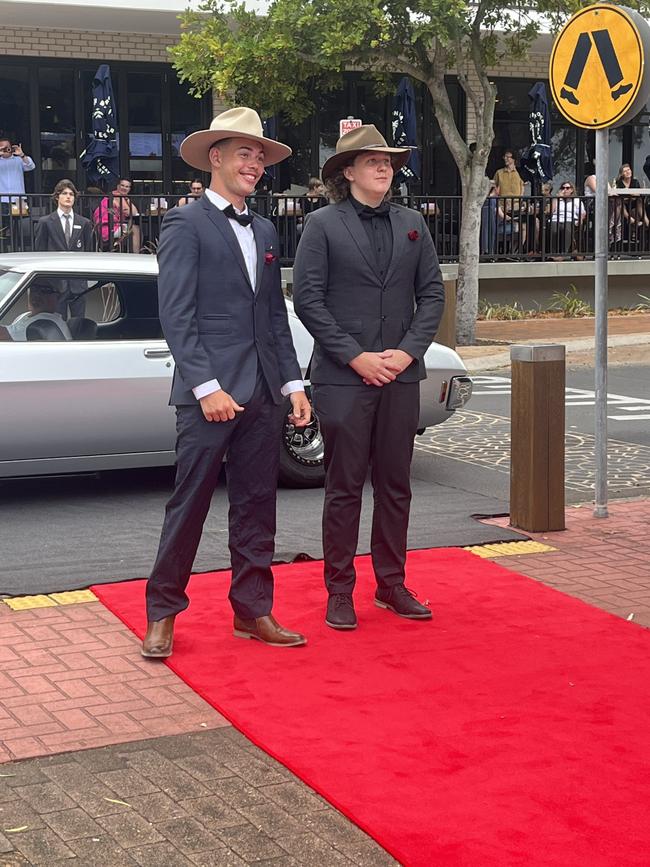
96	398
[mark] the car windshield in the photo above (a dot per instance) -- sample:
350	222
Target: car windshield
8	280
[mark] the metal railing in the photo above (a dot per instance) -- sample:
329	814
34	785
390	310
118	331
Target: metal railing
528	228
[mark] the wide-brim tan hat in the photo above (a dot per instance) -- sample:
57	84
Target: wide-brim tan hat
238	122
364	138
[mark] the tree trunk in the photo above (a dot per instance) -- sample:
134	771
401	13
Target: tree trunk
474	193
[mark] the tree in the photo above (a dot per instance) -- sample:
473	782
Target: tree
276	60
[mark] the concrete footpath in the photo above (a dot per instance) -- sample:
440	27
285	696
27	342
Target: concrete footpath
108	759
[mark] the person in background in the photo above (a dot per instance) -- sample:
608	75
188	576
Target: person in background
13	165
313	199
632	210
196	191
567	216
119	222
510	189
43	299
64	231
14	162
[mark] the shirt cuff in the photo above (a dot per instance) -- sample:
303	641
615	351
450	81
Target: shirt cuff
206	388
291	387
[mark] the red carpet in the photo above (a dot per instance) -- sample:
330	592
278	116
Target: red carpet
513	730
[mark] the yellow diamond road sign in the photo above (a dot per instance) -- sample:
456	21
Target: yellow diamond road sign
598	71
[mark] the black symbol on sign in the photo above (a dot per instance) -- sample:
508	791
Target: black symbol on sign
608	58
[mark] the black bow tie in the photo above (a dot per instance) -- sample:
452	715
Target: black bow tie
367	213
242	219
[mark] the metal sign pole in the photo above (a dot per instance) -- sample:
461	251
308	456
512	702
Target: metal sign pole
600	256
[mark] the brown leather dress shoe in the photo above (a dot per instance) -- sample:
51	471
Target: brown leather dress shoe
159	638
268	630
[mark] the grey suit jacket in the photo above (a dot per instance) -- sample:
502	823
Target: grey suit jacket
348	308
49	236
216	324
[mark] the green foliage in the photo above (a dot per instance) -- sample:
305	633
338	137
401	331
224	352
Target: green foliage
487	310
570	304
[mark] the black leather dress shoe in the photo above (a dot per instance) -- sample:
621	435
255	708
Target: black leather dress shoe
340	611
402	601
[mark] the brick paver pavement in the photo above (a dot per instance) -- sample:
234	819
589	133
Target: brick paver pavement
603	561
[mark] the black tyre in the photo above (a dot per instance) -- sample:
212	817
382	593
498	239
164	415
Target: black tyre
301	454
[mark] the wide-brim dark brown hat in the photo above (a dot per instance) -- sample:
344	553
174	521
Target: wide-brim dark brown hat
238	122
364	138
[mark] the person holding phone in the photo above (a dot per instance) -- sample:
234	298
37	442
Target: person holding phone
13	165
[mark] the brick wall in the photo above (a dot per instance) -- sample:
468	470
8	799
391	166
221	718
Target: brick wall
85	45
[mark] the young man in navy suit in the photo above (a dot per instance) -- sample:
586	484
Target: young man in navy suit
224	318
65	231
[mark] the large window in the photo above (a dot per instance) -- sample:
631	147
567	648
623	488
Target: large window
57	119
314	140
145	127
154	113
14	110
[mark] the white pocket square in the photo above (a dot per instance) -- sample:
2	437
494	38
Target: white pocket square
76	227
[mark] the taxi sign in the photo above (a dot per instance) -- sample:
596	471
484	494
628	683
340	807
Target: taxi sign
598	70
348	124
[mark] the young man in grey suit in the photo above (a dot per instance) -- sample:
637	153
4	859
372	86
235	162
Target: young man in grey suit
367	285
224	318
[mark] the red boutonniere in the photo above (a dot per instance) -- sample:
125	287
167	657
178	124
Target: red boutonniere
413	235
269	258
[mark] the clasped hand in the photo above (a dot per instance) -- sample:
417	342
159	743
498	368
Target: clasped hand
380	368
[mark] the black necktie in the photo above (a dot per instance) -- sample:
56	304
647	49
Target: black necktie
242	219
367	213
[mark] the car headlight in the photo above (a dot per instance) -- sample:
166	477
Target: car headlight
460	391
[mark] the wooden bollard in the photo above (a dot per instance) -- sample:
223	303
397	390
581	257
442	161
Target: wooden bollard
537	437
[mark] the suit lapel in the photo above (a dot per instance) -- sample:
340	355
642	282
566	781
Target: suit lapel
58	229
400	234
353	225
223	225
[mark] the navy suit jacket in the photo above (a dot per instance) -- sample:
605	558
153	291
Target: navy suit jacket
216	324
49	236
349	308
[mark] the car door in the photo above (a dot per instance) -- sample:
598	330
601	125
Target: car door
103	393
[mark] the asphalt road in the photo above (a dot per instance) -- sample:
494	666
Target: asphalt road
628	405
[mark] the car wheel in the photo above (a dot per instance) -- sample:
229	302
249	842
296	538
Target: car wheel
301	453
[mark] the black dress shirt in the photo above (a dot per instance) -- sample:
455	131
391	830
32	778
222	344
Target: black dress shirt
380	234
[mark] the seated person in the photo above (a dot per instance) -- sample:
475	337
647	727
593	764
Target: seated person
120	218
42	302
196	191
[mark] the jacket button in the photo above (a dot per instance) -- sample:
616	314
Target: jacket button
383	318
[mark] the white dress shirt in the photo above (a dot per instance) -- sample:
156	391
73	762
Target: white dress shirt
246	239
62	216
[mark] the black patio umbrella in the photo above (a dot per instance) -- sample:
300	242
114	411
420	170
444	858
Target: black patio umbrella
101	159
537	160
404	124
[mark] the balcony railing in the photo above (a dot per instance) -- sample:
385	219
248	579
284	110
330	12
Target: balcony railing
530	228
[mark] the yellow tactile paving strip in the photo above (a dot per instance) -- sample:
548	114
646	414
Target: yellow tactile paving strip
509	549
71	597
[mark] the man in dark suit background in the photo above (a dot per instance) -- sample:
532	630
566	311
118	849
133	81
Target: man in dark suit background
64	231
224	318
367	285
